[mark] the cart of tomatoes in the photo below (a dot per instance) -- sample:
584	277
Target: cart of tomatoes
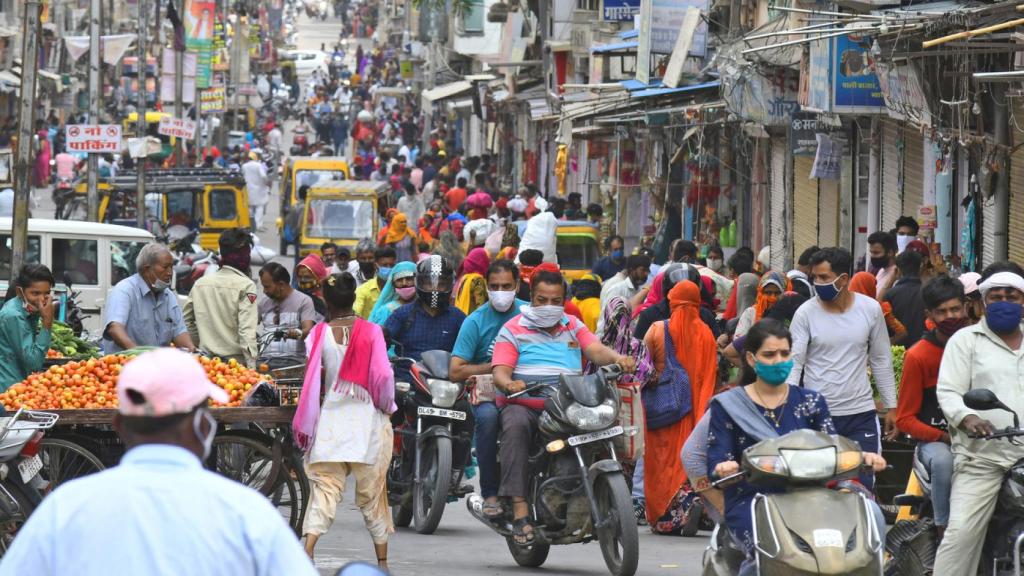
253	443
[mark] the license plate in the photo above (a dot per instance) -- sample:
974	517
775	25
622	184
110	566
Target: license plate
828	538
29	468
595	436
441	413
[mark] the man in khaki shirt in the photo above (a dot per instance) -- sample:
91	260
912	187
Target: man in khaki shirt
986	355
221	312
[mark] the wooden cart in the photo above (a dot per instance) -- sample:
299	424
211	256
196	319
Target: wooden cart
253	446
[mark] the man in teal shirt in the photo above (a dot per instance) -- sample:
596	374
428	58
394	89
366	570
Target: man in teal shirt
23	344
471	358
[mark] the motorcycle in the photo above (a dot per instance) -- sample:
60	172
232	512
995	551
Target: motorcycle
423	476
840	537
577	491
912	542
191	262
21	490
70	311
300	142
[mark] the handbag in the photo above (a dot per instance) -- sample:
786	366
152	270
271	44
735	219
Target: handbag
670	400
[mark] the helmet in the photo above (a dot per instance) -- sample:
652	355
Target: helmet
434	281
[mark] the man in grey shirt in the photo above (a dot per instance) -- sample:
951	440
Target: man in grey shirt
835	337
142	310
286	311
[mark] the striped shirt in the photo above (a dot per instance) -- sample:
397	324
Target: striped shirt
536	355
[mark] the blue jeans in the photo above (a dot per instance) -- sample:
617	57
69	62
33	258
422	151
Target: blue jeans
938	460
488	425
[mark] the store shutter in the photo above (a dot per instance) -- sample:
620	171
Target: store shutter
913	171
1016	216
892	199
988	239
780	197
828	213
805	205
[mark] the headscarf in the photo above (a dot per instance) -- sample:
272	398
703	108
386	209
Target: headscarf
471	289
507	253
476	262
746	291
864	283
450	249
618	336
540	235
388	300
399	229
696	351
315	264
654	295
765	302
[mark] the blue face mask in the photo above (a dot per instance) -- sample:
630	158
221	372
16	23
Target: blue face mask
827	292
384	272
774	374
617	255
1003	317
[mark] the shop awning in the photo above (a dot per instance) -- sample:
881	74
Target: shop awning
8	31
539	107
8	81
446	91
631	45
627	34
650	92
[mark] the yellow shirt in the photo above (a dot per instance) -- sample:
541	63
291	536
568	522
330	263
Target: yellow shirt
366	297
591	310
221	315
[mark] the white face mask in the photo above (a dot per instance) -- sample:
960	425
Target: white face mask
207	440
159	285
543	316
902	240
501	300
715	264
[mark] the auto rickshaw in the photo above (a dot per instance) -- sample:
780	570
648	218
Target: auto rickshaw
299	171
130	124
576	246
209	200
343	212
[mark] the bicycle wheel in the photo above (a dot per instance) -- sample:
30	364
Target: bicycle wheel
251	462
66	459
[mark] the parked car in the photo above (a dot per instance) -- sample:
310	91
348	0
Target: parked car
307	60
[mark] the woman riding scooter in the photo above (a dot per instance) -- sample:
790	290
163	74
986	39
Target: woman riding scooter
737	415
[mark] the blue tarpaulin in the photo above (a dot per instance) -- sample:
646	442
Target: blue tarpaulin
663	91
614	47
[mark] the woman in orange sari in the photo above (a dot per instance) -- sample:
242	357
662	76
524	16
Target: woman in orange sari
666	488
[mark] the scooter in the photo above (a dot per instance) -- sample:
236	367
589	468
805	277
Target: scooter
577	491
431	426
809	528
21	484
1001	554
912	542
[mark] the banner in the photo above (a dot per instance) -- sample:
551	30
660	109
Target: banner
177	127
199	27
93	139
212	101
112	47
828	159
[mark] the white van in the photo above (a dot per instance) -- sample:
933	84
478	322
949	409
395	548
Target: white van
94	257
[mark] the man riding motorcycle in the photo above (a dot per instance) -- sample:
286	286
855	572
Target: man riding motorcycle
537	346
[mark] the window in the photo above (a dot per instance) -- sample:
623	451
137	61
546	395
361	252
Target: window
76	260
6	253
337	219
181	210
222	205
313	178
473	18
122	259
577	252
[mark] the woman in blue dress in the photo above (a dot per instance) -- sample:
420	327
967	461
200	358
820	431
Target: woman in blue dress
741	416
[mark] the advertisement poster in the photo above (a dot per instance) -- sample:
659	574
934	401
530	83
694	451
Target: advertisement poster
199	25
854	82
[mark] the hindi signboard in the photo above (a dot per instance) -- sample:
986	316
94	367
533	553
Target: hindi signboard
177	127
212	101
619	10
92	139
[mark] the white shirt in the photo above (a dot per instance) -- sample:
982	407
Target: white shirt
255	174
274	139
7	203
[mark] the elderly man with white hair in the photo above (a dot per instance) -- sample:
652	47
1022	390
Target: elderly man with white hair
142	310
986	355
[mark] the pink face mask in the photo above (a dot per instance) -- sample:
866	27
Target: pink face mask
406	293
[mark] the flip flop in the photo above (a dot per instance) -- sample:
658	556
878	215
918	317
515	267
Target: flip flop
519	534
492	510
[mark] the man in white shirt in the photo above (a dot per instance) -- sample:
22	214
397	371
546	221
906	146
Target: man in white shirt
412	206
835	337
987	355
258	186
626	284
274	138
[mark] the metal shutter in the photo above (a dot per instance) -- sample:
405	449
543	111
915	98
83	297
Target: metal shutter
779	182
1015	234
828	213
805	205
892	198
988	239
913	171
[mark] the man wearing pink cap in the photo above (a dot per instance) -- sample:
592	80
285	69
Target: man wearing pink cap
169	515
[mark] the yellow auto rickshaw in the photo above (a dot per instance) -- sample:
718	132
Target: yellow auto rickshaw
576	245
301	171
209	200
342	212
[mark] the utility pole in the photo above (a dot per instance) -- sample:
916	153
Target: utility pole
140	163
179	90
432	67
26	120
236	65
93	195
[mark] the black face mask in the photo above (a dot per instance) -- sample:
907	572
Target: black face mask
368	269
879	263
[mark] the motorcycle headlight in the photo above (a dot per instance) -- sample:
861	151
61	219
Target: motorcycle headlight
442	392
811	464
591	418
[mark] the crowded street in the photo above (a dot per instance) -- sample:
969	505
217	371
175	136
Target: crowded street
421	287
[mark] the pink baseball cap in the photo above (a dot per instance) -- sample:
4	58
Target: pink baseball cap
164	382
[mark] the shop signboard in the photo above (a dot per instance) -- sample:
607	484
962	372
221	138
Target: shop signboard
93	139
769	100
177	127
804	128
901	89
839	78
619	10
212	101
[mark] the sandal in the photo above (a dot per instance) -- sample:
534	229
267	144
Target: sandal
492	510
520	535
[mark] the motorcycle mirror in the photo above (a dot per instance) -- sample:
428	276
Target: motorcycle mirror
67	279
403	387
985	399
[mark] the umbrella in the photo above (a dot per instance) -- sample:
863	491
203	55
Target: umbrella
479	200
